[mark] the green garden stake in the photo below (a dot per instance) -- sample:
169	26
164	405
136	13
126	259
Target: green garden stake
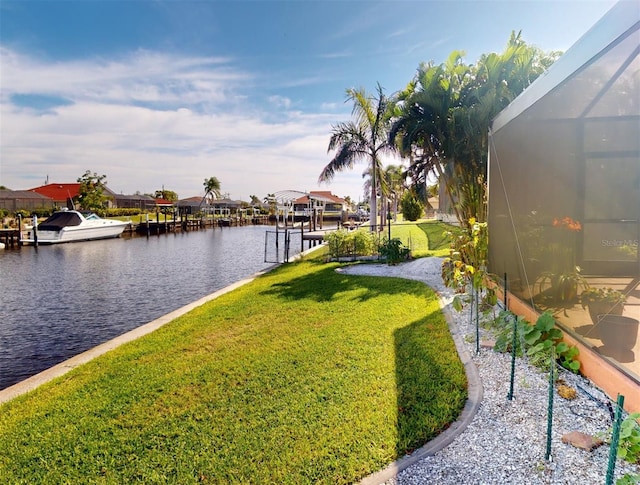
550	407
615	437
514	342
477	324
471	309
504	295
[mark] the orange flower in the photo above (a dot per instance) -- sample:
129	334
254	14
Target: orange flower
568	223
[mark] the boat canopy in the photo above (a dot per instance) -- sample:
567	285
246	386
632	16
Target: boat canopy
60	220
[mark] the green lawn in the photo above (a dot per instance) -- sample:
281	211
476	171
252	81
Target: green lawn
424	237
302	376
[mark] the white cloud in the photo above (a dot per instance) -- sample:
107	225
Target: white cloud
141	76
280	101
152	119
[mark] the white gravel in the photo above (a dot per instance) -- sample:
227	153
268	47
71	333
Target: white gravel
505	442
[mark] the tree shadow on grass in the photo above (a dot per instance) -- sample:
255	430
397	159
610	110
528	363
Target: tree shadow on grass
436	235
326	284
431	383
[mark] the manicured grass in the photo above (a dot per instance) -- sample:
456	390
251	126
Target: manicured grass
436	231
303	376
424	238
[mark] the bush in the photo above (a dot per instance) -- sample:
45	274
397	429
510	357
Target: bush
344	243
412	208
118	212
394	251
42	212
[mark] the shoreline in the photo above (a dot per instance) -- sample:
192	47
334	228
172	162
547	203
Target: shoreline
47	375
31	383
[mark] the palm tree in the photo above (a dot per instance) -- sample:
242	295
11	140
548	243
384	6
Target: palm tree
362	139
424	130
394	178
446	112
211	188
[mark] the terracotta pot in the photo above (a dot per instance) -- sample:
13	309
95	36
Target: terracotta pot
598	309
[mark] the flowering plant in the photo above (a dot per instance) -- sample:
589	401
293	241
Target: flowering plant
567	223
563	245
563	274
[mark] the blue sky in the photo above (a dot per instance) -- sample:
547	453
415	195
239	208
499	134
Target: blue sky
168	93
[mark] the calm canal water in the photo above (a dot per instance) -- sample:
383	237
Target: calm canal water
58	301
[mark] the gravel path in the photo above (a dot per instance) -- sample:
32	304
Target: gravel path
505	442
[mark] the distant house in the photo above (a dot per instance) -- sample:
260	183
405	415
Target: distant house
63	194
219	207
190	205
15	200
228	206
135	201
330	206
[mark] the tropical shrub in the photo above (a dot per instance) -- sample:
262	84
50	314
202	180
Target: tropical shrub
343	243
411	207
394	251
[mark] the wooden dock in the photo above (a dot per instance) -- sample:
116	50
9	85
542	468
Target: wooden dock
154	227
10	238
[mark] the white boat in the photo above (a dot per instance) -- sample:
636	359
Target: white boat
71	225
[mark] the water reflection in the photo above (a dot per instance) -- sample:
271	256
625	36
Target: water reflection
58	301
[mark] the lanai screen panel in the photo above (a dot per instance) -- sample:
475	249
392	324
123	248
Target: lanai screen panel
564	168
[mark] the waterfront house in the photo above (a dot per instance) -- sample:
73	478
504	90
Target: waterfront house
329	206
190	205
15	200
135	201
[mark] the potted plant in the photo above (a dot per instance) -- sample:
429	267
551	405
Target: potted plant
562	287
561	281
602	301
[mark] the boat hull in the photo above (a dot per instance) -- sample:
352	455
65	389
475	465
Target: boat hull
79	229
78	234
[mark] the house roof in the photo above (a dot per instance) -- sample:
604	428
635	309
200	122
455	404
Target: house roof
190	201
322	195
58	191
134	197
226	203
21	194
62	192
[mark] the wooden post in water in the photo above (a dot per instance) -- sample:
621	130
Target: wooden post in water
35	231
19	230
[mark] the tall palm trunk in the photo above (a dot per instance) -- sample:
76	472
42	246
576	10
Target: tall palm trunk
373	200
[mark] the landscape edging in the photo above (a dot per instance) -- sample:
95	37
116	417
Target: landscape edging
474	398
